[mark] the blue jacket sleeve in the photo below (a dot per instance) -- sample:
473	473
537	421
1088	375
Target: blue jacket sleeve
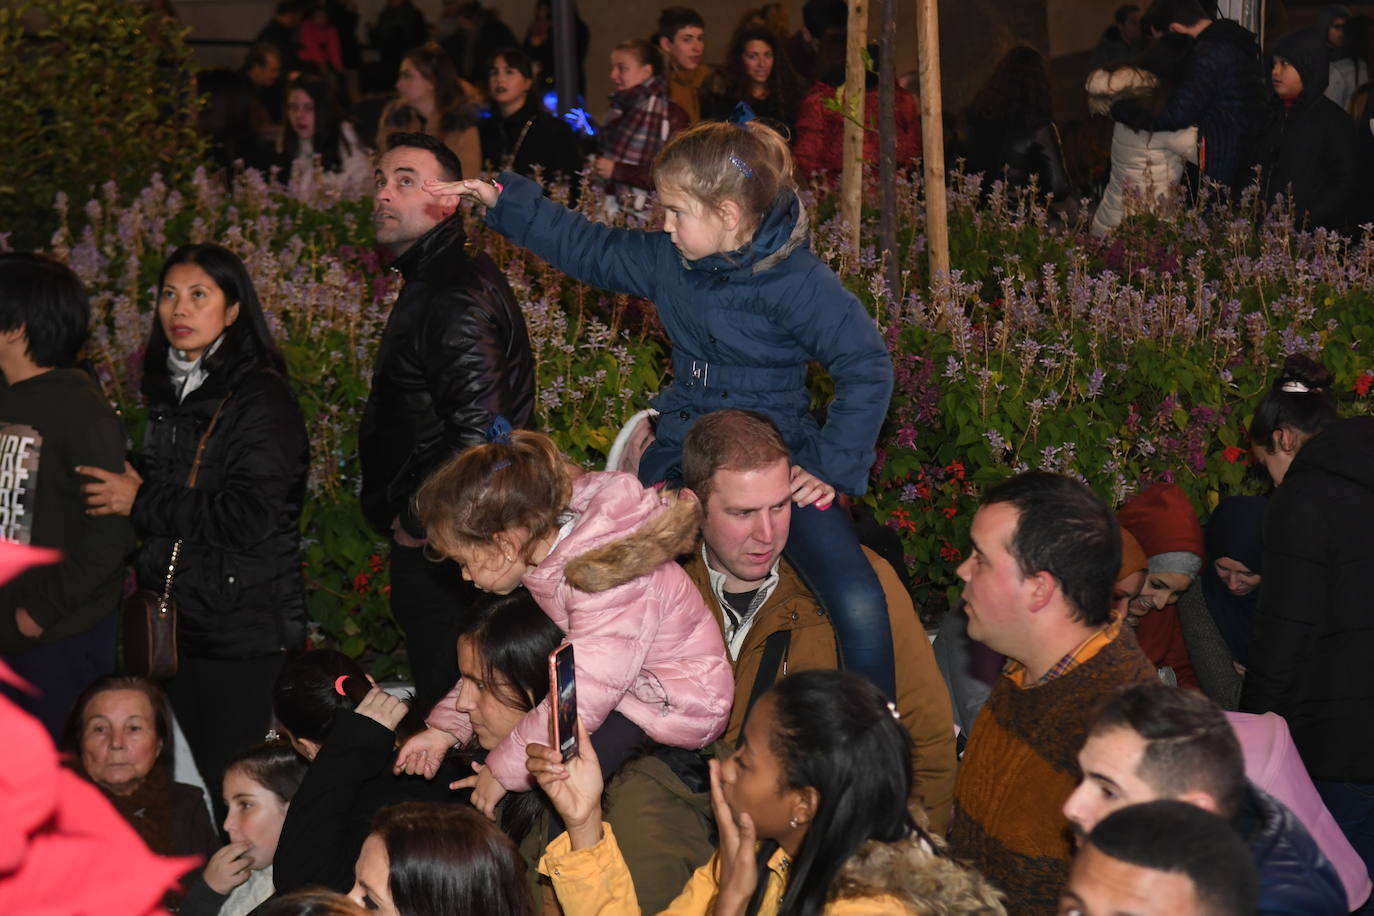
830	323
620	260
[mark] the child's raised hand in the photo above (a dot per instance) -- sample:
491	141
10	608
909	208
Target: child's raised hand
574	788
382	708
484	192
486	791
423	753
808	489
229	867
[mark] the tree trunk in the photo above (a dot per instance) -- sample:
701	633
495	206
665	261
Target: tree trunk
933	137
887	155
852	178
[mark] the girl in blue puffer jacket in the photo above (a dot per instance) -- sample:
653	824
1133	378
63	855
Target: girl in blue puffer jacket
748	307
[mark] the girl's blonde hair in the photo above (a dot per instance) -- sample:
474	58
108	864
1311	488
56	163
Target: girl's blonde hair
716	161
522	484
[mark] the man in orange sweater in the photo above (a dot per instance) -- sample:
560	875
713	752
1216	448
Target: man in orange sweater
1038	589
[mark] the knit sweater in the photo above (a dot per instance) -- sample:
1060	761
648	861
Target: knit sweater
1020	767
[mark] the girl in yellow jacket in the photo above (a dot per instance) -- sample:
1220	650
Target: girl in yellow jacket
812	810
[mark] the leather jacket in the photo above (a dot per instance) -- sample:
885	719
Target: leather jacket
455	354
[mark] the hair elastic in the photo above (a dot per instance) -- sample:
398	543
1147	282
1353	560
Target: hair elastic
892	708
1293	386
500	466
743	166
498	433
339	685
742	114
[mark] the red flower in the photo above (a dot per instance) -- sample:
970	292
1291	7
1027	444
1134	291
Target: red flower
922	491
375	561
949	553
902	521
1363	382
360	582
1232	453
955	469
951	511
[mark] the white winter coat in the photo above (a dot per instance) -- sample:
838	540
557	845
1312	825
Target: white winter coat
1150	162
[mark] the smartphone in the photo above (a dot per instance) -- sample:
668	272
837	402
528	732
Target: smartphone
563	690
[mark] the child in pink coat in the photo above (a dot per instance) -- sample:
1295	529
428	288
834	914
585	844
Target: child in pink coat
597	552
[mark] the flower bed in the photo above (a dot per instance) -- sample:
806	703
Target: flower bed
1119	363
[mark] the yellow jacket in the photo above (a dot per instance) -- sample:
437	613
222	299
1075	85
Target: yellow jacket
596	882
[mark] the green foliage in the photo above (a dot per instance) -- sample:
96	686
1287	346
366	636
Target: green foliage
94	91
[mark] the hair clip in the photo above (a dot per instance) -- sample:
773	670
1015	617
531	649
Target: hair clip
743	166
742	115
1294	386
499	431
339	685
272	735
892	708
500	466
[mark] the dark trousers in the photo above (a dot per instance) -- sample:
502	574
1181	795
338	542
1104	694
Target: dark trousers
223	706
430	602
60	670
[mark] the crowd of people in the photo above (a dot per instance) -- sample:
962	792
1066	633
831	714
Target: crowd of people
1126	712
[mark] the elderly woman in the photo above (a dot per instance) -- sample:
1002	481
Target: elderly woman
120	732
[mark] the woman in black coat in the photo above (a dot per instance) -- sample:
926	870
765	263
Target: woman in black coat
1313	638
520	134
238	586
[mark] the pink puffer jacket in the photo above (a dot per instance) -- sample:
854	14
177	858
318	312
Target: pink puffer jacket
646	644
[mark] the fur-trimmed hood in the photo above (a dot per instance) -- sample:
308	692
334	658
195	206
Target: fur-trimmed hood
668	533
927	881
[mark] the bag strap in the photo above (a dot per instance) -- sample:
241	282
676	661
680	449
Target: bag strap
166	600
774	648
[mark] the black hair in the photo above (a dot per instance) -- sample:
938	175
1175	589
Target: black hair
329	141
673	19
304	697
257	55
513	637
1176	837
450	169
274	765
313	901
1124	12
1300	400
1063	528
1186	13
823	16
247	336
445	858
1167	59
784	87
836	733
515	58
47	299
157	697
1190	745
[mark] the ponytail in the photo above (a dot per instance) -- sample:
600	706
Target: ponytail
1300	400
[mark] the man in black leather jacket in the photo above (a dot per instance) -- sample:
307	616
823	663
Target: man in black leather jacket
1152	741
454	356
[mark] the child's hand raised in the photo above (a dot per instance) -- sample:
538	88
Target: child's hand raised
486	791
423	753
484	192
808	489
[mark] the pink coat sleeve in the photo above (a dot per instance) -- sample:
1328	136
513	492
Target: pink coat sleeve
648	648
445	716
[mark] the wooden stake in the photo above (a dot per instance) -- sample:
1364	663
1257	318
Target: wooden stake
933	137
852	178
887	155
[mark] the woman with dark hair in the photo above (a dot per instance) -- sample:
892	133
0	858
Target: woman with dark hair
259	784
520	134
656	796
219	401
758	73
436	860
1010	126
333	715
812	810
1145	163
1312	641
120	736
315	125
431	99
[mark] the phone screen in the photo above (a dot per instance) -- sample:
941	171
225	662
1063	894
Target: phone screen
563	684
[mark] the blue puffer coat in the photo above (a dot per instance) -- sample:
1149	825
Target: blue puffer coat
1295	878
744	327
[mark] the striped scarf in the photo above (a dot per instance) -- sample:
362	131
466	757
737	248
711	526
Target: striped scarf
637	123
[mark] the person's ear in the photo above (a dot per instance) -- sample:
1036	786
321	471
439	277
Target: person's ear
731	214
1200	799
805	805
1043	588
506	545
1285	440
15	334
231	314
665	44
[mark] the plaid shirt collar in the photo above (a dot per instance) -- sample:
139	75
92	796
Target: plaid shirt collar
1080	654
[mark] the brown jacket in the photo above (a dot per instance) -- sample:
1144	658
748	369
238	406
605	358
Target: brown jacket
922	699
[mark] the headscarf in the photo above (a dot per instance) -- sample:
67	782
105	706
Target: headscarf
1133	557
1234	530
1164	522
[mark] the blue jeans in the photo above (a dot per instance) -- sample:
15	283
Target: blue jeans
1352	805
824	550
